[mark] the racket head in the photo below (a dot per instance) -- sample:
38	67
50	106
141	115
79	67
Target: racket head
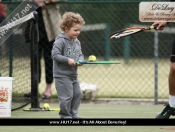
126	32
129	31
54	109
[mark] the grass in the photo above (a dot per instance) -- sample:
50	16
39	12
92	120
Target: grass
91	110
82	129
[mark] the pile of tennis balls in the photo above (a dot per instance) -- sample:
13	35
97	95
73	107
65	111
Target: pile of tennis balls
92	58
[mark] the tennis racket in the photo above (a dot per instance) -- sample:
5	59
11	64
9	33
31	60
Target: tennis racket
99	62
41	109
130	31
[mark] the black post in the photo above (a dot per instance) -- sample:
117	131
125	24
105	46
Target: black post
34	64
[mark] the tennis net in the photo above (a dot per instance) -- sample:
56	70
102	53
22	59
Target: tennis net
18	57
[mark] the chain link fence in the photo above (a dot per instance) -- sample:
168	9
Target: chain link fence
139	76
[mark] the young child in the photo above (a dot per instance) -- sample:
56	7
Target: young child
65	52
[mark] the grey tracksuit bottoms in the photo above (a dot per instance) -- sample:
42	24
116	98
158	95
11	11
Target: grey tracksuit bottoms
69	95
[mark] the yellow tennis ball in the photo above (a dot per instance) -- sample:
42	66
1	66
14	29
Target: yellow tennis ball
46	106
92	58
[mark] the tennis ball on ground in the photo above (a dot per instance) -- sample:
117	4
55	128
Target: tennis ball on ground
46	106
92	58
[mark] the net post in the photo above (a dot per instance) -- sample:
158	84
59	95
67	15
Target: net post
34	64
11	50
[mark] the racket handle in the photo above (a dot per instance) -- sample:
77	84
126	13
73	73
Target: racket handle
79	63
152	27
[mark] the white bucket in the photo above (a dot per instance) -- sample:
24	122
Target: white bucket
5	96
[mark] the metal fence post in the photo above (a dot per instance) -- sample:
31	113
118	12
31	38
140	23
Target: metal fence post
156	67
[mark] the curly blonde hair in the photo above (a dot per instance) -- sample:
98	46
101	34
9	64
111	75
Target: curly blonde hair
70	18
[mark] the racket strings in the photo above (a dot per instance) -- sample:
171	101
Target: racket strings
130	31
125	33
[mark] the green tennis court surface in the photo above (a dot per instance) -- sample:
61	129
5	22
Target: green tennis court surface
89	110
